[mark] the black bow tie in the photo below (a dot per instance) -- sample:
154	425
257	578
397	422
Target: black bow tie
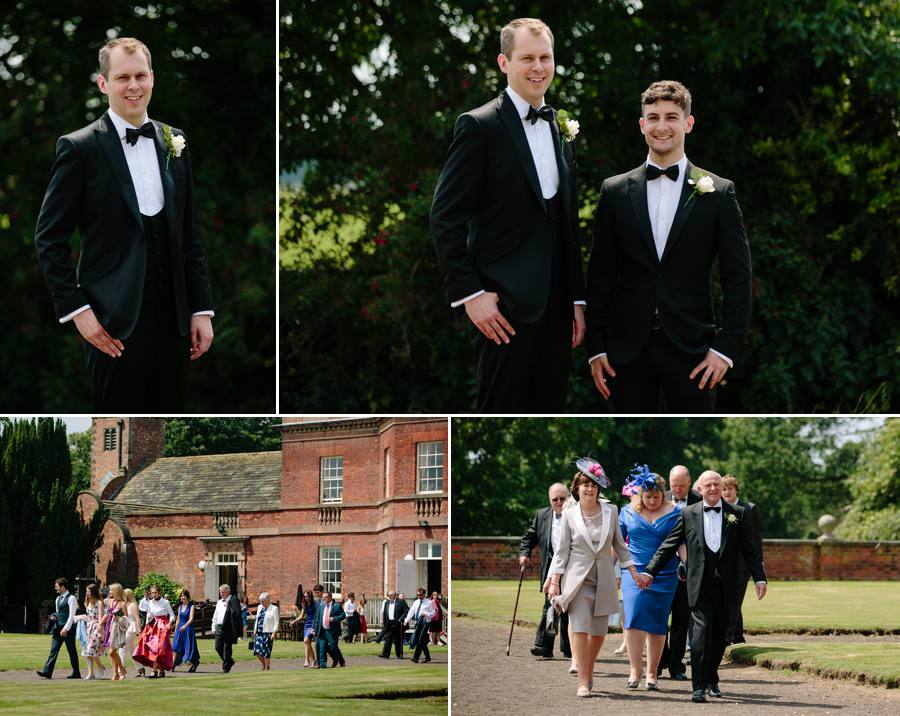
714	509
545	112
655	172
146	130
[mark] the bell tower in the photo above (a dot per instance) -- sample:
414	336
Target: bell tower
120	447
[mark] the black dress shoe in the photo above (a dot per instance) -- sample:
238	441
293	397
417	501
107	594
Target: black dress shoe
44	674
537	651
427	659
192	669
415	661
714	691
699	696
678	676
382	656
73	676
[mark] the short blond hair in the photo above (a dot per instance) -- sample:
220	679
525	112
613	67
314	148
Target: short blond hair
129	44
508	33
731	481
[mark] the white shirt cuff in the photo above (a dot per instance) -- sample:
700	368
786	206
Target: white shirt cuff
723	357
593	358
581	303
461	301
204	313
70	316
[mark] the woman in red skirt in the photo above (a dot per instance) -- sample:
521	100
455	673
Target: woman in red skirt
154	648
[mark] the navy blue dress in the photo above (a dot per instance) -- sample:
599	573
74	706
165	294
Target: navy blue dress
648	610
262	642
185	643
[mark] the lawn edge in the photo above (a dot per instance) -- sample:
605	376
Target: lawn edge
738	654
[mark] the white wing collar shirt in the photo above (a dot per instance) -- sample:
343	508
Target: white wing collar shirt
712	525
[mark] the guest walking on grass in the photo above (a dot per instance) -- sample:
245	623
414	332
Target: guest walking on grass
154	648
185	642
114	625
132	612
307	616
265	630
93	638
63	632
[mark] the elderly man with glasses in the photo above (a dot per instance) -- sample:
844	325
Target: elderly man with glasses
544	531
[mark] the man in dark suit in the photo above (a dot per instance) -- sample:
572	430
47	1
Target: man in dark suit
730	491
327	628
392	616
658	230
63	631
140	295
544	532
505	228
681	494
228	625
715	534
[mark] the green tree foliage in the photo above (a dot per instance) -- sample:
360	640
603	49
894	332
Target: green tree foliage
875	486
798	107
791	468
167	588
214	68
80	456
215	436
42	536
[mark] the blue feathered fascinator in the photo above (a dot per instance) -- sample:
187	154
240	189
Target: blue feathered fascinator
639	479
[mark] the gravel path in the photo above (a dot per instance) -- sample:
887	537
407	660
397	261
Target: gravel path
484	681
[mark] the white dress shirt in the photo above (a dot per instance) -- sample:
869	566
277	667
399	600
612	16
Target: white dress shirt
712	526
349	608
143	166
73	607
421	609
144	605
663	196
219	614
543	152
391	607
555	531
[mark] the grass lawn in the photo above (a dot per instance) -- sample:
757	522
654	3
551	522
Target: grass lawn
29	651
788	606
398	690
877	663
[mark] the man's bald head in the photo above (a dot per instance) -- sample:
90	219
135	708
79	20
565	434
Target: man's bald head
710	486
679	482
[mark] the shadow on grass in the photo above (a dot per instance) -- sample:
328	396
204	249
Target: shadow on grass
392	695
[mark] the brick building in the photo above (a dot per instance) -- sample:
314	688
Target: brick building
357	504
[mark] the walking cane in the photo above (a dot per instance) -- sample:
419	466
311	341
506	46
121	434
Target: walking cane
515	608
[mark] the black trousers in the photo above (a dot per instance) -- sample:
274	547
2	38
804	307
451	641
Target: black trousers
545	642
676	637
56	644
420	640
530	374
149	376
660	370
223	648
735	631
710	615
393	634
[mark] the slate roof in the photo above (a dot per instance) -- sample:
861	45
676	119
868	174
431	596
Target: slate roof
204	483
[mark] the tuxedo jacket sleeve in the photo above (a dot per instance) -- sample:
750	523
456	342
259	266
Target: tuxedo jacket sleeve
668	548
530	539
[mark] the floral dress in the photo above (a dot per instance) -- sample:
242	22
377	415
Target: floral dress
262	642
93	639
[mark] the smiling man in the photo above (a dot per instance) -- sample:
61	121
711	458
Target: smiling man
140	295
658	230
505	230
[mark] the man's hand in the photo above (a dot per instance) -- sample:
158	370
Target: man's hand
524	561
95	334
63	632
713	369
546	585
482	311
760	590
578	326
644	580
201	335
600	368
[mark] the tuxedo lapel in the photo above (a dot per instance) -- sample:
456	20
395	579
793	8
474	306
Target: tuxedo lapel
115	153
513	124
637	191
726	510
682	213
167	181
565	181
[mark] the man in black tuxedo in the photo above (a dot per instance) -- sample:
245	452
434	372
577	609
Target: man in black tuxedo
730	490
544	532
715	534
392	616
227	625
140	295
651	331
681	494
505	228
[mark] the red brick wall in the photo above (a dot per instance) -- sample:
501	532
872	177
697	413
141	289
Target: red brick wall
142	440
496	558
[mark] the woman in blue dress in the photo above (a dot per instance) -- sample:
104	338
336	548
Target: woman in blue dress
185	642
645	523
307	615
265	630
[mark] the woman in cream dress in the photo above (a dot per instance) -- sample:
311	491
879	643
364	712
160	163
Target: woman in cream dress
582	580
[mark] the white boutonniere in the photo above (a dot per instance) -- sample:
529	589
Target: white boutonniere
732	519
173	143
702	183
568	127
